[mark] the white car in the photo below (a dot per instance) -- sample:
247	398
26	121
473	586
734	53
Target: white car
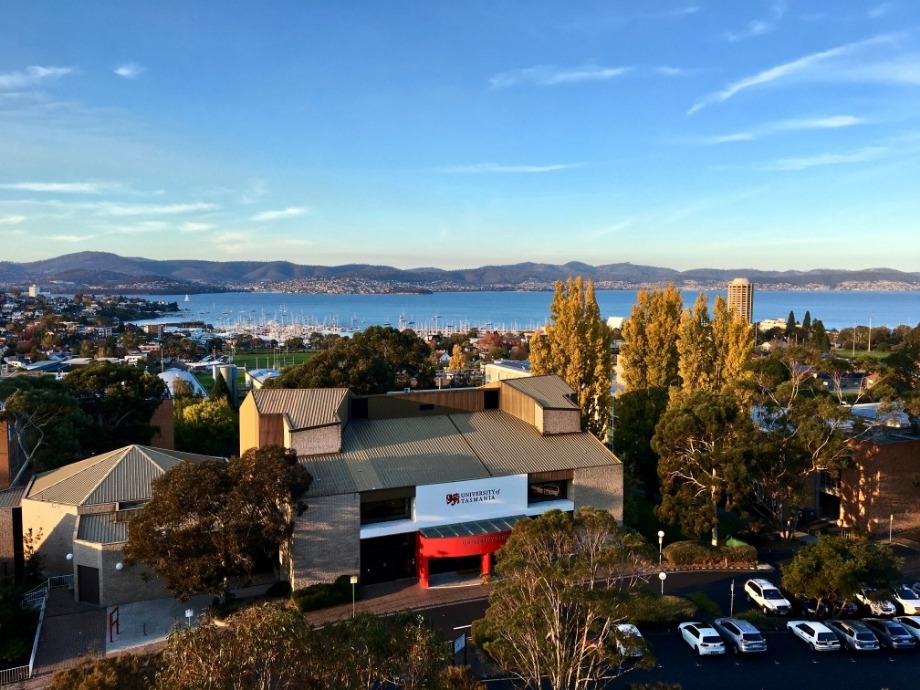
629	640
765	595
907	600
702	638
911	624
868	597
816	635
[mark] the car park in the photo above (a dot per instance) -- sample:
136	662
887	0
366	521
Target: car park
869	598
810	607
816	635
891	633
702	638
911	624
907	600
743	636
767	597
855	635
630	642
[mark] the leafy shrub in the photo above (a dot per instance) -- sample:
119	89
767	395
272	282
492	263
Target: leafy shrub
704	604
738	555
124	672
686	553
324	595
761	620
648	607
482	634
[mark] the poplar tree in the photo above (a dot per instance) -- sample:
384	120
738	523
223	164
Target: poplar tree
650	350
733	337
457	360
576	347
696	348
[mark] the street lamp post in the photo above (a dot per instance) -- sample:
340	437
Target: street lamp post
662	576
660	545
890	526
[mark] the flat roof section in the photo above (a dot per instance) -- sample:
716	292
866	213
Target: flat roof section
477	528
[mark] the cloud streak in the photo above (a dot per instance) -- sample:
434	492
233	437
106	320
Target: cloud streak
11	220
71	238
548	75
495	169
788	69
864	155
61	187
832	122
34	75
122	210
290	212
759	27
129	70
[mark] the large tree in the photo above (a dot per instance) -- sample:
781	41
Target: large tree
705	445
44	421
696	348
650	349
576	346
834	569
376	360
207	521
565	582
205	426
120	401
636	416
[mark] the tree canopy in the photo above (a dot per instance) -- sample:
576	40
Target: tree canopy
205	426
650	340
576	346
207	521
376	360
565	582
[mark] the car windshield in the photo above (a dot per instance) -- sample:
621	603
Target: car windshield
865	637
752	637
906	593
711	639
773	594
897	630
826	637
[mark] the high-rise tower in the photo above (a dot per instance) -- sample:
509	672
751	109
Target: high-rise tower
741	298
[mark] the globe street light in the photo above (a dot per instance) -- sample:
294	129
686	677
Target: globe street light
662	576
660	544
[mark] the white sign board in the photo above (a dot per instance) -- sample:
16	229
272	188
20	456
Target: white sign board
477	499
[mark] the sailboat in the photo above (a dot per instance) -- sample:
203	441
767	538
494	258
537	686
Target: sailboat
186	298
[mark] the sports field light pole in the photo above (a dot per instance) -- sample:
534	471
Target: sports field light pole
660	545
354	581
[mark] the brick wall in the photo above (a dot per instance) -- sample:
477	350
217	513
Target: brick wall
162	419
8	542
326	541
600	487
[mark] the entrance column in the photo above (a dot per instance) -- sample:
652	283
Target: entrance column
421	563
486	563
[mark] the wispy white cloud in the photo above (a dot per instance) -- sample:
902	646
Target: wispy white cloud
256	190
61	187
71	238
668	71
11	220
195	227
809	64
548	75
34	75
493	168
119	210
677	12
289	212
129	70
832	122
879	10
864	155
759	27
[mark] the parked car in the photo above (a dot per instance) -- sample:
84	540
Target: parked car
765	595
816	635
855	635
891	633
704	639
869	597
911	624
630	642
810	607
845	608
741	635
907	600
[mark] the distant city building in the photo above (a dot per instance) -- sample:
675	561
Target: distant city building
34	291
741	298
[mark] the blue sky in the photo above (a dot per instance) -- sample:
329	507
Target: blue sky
773	135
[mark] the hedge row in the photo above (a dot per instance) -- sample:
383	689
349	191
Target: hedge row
324	595
684	553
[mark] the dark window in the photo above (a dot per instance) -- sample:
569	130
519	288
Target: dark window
547	491
385	510
490	399
425	406
359	408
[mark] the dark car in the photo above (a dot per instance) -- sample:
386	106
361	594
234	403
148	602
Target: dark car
810	607
891	633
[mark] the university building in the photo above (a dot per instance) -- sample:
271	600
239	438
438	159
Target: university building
417	483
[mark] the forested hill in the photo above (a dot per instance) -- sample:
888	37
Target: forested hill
107	272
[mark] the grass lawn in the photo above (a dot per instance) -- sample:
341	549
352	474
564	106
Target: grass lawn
257	360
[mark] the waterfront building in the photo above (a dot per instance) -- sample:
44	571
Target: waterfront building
741	298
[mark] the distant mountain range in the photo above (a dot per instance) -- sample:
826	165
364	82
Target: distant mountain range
105	272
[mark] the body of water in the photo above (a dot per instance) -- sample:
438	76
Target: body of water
511	310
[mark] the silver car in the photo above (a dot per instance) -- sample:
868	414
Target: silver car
741	635
891	633
855	635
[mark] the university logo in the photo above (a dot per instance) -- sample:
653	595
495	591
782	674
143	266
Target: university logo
453	499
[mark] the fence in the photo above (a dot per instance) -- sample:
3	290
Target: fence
37	597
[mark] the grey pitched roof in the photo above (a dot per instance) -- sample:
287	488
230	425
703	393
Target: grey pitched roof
9	498
550	392
304	407
120	475
102	528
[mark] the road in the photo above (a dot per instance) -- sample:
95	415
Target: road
788	663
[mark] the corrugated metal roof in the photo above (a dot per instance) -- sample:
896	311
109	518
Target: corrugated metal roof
305	407
550	392
390	453
120	475
507	446
102	529
9	498
472	529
